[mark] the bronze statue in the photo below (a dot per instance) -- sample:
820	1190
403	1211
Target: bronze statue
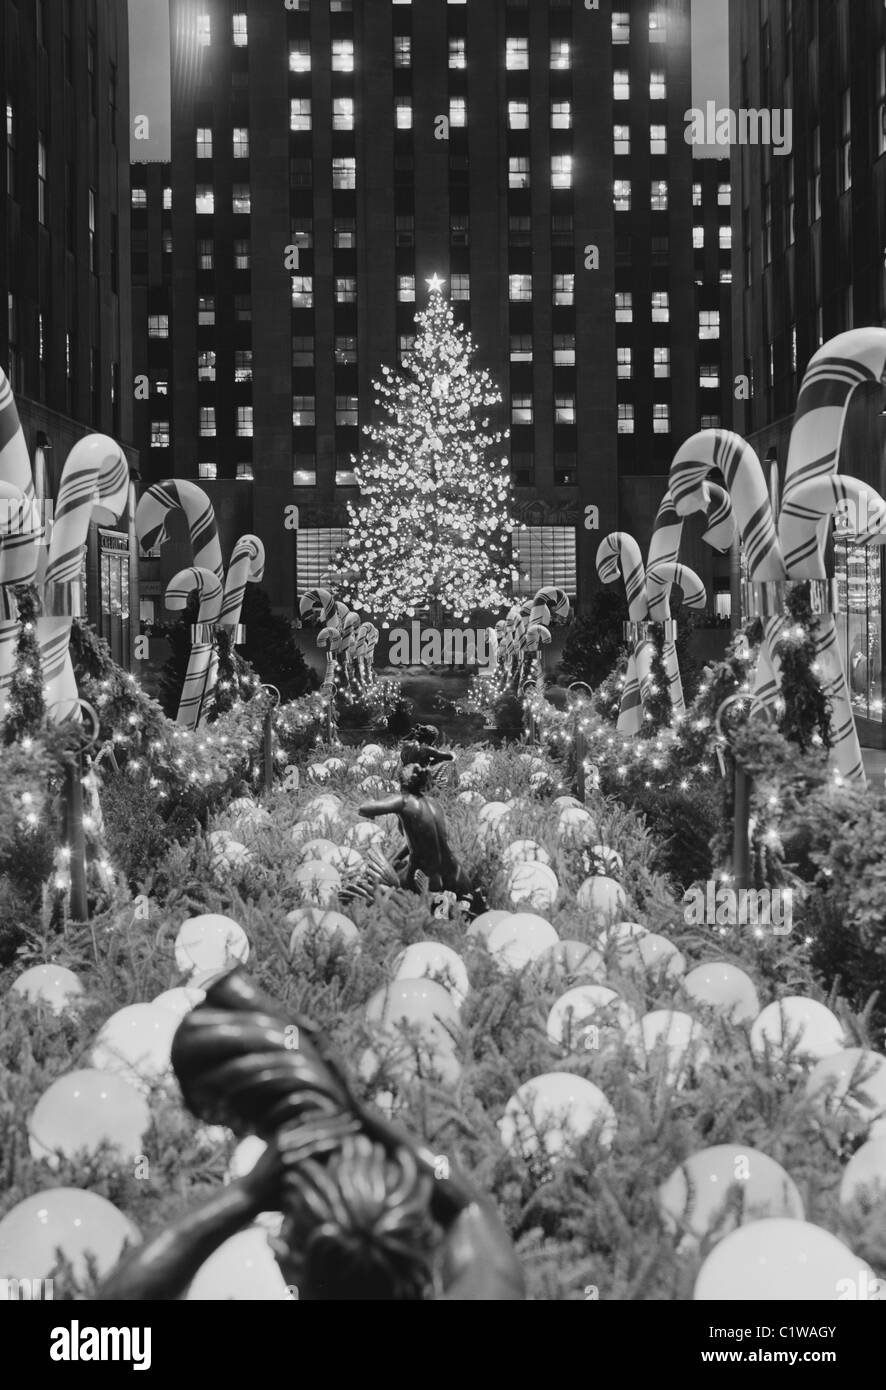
428	852
368	1213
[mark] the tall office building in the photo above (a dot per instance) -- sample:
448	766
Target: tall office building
810	256
329	157
66	325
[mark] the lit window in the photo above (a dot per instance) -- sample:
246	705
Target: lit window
518	171
698	238
342	113
713	422
520	287
139	197
658	87
315	548
167	243
521	410
302	291
405	345
244	421
460	286
544	555
561	54
303	411
346	349
404	113
160	383
521	347
302	233
708	376
345	477
725	238
406	289
342	55
621	27
724	195
709	323
726	279
344	172
624	306
457	54
625	363
625	418
658	31
300	56
658	139
208	472
621	195
41	179
207	421
561	171
516	54
659	195
244	470
564	288
300	113
242	256
621	85
205	254
661	362
661	419
241	142
402	51
564	410
167	199
204	30
206	366
242	365
458	112
661	306
696	195
242	199
344	234
347	410
304	477
241	31
621	139
345	289
564	349
206	310
561	115
159	434
204	142
158	325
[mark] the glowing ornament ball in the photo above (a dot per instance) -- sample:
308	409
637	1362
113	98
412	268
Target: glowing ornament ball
570	961
208	944
364	835
318	848
320	882
799	1027
864	1177
427	1008
576	827
482	926
533	883
432	960
779	1259
244	1269
602	897
136	1044
659	956
723	1187
81	1224
588	1018
313	923
525	851
725	988
53	985
850	1087
670	1044
522	937
84	1110
605	860
550	1113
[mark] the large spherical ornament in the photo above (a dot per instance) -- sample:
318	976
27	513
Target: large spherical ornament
320	882
136	1043
536	884
227	853
660	955
621	942
589	1018
576	827
53	985
571	961
208	944
84	1110
313	923
395	1061
799	1027
318	848
864	1176
79	1223
850	1087
482	926
243	1268
565	803
371	752
336	765
492	821
180	1000
422	1005
779	1259
470	798
603	898
432	960
318	772
551	1112
725	988
348	861
522	937
524	852
242	806
328	806
247	815
605	860
376	786
482	763
541	781
723	1187
670	1044
364	835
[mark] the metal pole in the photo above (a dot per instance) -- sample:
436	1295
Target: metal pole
268	745
76	837
741	846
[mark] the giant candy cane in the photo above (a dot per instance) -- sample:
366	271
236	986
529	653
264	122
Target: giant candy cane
246	566
619	555
207	586
660	579
21	528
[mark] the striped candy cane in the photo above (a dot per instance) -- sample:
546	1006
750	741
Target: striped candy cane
316	606
557	600
94	487
196	580
180	495
247	566
660	579
804	526
22	535
619	556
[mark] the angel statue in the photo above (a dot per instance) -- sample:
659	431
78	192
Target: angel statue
367	1212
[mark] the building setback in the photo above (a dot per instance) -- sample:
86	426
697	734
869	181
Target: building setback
66	325
329	158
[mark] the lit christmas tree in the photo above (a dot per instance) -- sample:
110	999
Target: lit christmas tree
432	526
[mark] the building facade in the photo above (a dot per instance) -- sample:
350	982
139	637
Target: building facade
66	325
809	231
328	158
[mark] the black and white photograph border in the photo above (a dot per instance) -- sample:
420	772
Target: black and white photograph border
442	730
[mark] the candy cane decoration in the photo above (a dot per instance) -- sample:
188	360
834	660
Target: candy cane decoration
247	566
619	555
660	579
94	487
196	580
180	495
21	528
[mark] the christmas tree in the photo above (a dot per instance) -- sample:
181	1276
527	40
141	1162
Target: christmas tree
431	529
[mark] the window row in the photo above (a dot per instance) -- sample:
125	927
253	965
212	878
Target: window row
621	27
304	411
661	418
208	472
239	142
161	433
523	410
621	85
